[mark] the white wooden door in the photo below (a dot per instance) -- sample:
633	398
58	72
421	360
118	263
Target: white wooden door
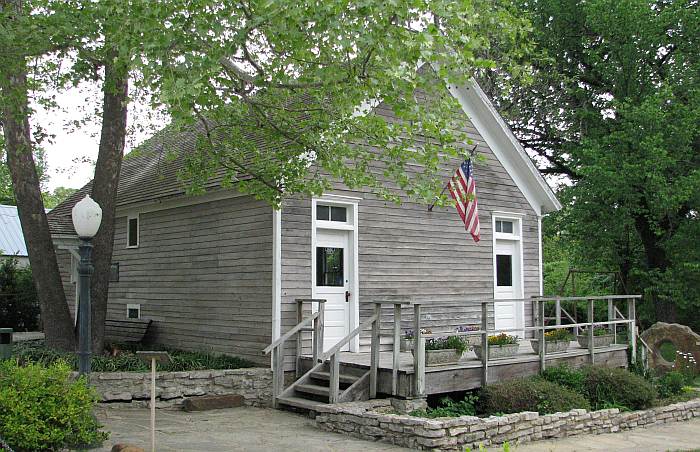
332	282
507	275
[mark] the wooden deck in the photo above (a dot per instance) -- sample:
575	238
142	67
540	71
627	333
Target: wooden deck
467	373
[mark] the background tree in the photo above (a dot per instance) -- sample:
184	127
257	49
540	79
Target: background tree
278	91
614	110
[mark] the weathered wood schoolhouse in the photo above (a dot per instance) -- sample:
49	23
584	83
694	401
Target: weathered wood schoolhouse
222	271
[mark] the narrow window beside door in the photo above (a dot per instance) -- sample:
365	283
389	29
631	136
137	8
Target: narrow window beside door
329	267
504	270
132	232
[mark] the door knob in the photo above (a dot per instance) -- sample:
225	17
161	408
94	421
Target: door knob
347	296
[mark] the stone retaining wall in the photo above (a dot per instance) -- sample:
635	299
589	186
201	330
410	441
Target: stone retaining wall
254	384
370	420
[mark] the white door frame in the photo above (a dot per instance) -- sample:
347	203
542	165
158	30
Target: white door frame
351	204
516	236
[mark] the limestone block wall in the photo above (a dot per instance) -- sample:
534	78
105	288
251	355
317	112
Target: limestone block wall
254	384
370	420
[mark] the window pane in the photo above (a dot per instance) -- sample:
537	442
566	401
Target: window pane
504	270
133	232
133	313
507	227
114	272
498	225
329	267
338	214
323	212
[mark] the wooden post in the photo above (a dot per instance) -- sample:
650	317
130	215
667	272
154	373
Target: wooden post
591	337
153	404
300	317
632	329
557	311
397	350
484	344
374	353
543	348
277	374
334	383
611	318
318	333
419	354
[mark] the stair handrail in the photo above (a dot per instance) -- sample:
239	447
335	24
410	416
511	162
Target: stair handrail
282	339
277	346
334	365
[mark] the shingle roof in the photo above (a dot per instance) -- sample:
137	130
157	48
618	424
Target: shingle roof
11	238
150	172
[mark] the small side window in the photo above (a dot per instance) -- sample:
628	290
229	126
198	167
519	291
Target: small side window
114	272
132	232
133	311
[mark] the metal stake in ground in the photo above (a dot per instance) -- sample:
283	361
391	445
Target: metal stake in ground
153	358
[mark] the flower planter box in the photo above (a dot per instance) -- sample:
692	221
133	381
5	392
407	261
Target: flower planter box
498	351
473	339
598	341
441	357
550	346
406	344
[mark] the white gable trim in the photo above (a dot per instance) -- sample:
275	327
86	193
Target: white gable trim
506	147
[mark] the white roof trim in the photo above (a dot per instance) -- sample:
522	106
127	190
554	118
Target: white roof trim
506	147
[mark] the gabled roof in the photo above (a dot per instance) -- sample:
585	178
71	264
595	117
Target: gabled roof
152	171
506	147
11	238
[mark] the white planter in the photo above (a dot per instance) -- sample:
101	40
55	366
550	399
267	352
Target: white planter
441	357
550	346
498	351
598	341
406	344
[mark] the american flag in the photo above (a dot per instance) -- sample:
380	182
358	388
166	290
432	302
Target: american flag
463	190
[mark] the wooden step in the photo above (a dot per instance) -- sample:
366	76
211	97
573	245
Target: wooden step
343	378
299	402
313	389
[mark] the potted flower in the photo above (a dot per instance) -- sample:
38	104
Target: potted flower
555	341
602	337
471	339
444	350
500	346
407	339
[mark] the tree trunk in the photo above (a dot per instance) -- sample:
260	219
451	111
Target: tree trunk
657	262
57	321
104	191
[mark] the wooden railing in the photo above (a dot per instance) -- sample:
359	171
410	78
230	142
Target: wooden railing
277	346
539	328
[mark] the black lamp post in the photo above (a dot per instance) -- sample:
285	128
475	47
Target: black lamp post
87	216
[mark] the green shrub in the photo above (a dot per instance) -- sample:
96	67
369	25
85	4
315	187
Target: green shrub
566	376
126	360
19	306
613	387
671	384
42	409
450	408
528	394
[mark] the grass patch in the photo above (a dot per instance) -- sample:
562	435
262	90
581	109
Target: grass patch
125	359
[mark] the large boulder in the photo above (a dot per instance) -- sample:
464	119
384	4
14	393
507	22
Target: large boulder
684	339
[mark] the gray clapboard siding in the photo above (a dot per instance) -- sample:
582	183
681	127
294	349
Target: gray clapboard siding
203	273
407	251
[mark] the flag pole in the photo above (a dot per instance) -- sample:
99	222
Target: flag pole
430	208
